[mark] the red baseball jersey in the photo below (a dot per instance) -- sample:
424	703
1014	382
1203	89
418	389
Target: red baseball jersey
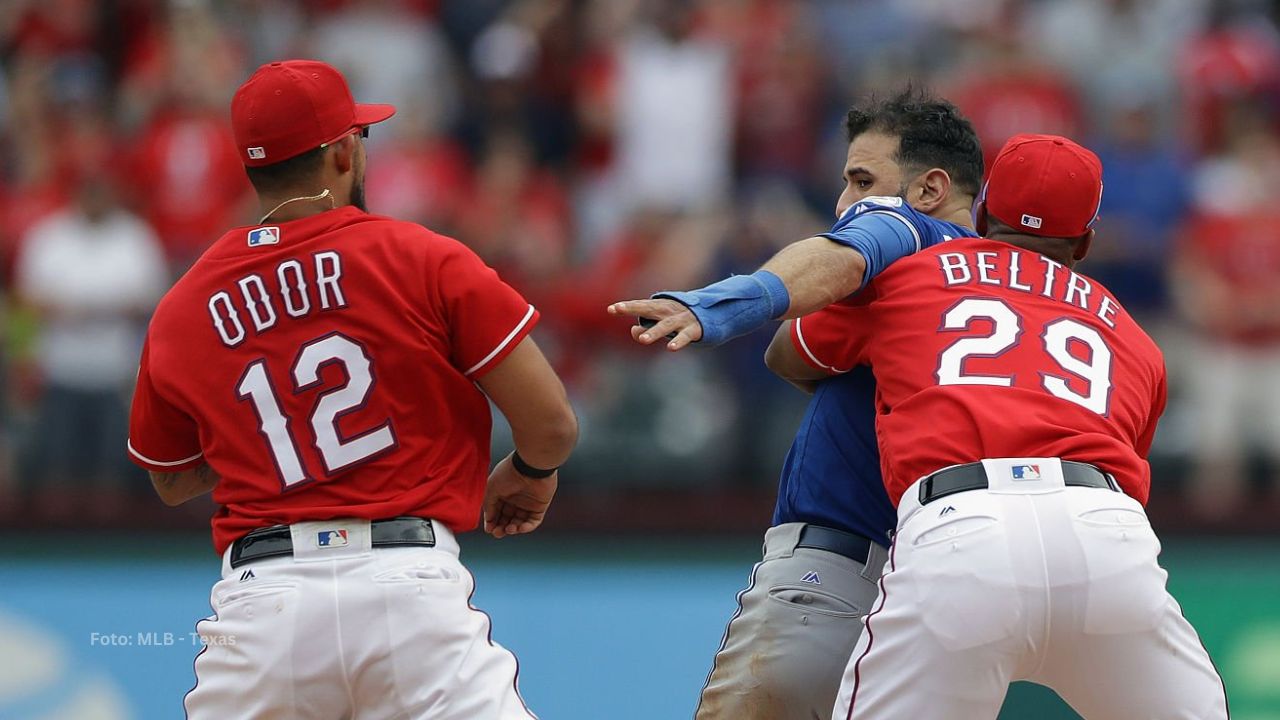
326	367
981	349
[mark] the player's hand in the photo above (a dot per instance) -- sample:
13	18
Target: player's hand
515	504
669	317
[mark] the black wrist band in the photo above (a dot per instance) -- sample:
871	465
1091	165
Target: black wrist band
528	470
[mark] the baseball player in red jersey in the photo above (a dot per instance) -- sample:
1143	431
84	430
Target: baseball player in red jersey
1016	405
324	372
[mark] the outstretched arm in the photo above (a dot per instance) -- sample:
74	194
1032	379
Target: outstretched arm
817	272
803	277
813	273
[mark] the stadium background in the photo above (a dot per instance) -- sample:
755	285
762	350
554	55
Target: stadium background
595	150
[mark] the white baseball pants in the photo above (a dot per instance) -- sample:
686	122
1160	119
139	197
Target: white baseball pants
351	632
1027	580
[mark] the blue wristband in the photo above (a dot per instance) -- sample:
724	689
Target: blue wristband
734	306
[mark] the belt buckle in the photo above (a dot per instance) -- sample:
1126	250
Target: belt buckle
245	543
926	489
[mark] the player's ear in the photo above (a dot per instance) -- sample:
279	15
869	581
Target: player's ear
980	217
1082	246
930	190
344	154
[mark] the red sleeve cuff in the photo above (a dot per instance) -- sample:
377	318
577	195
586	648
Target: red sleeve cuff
164	465
806	352
504	348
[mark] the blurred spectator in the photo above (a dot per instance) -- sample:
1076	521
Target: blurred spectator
1236	58
181	57
1144	201
516	216
33	188
91	273
190	185
8	491
421	175
270	30
780	96
870	39
1007	89
391	50
50	29
1227	284
1116	50
960	16
673	109
524	67
595	197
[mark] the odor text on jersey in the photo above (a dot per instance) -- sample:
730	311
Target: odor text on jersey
296	289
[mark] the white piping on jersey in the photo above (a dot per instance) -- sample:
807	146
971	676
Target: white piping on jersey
148	460
914	233
505	341
814	358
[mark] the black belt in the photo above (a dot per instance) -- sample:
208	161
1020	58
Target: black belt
973	476
854	547
277	541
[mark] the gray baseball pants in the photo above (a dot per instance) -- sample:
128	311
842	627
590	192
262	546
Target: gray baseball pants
797	622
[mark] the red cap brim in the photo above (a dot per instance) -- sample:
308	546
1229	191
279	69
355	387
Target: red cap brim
370	113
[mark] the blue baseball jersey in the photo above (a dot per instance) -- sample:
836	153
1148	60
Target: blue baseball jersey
831	476
885	229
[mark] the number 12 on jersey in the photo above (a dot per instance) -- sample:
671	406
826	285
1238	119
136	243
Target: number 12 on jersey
336	452
1056	337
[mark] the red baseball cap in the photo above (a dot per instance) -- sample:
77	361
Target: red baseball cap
1044	185
287	108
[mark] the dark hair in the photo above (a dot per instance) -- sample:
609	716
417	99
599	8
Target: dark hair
286	174
931	133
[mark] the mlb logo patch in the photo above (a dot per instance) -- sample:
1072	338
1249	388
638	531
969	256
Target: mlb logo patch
257	153
264	236
1031	221
332	538
1026	472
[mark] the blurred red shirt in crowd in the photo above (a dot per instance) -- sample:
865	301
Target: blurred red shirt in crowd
1217	69
192	186
516	215
780	91
54	27
1011	92
420	180
1233	263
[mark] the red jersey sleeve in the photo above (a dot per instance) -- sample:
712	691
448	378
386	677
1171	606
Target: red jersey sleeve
161	437
487	318
833	339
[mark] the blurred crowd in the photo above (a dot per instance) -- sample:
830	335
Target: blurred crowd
595	150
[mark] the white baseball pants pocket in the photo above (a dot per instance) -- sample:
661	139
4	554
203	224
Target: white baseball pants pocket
1027	581
368	633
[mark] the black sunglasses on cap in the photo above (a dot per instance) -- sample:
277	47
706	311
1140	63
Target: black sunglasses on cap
364	133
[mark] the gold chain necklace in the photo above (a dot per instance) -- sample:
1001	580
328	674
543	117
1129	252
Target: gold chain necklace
321	196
